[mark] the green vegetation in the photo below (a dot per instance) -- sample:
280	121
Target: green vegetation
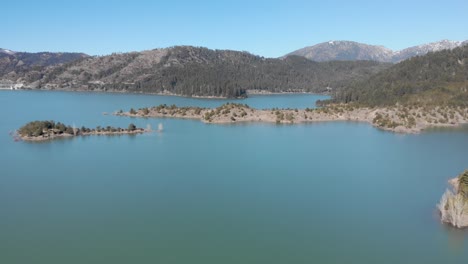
398	118
438	78
145	111
194	71
279	116
172	110
230	74
453	206
209	115
51	128
228	109
463	184
290	117
29	65
39	128
131	127
384	121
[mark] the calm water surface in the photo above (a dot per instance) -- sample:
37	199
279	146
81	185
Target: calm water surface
248	193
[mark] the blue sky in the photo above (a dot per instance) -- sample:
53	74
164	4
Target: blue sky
267	28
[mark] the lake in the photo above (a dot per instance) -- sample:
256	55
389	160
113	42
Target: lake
339	192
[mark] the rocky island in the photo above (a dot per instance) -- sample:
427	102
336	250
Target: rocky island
453	205
47	130
402	119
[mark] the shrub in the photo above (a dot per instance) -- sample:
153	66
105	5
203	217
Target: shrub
131	127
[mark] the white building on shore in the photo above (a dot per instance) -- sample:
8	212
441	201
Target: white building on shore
9	85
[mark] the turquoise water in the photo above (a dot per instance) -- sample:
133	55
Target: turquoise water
248	193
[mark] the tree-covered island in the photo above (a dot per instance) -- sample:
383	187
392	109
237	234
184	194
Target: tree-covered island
46	130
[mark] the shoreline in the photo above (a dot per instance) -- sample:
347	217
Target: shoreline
262	92
453	205
65	135
396	119
127	92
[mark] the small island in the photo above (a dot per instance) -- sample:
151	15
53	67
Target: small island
47	130
453	205
399	118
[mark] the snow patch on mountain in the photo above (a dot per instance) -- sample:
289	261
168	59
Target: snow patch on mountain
7	51
350	50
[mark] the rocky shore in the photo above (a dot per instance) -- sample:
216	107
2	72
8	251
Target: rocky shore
66	135
453	205
266	92
400	119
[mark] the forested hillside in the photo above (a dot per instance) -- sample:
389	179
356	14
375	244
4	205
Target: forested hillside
186	70
438	78
15	64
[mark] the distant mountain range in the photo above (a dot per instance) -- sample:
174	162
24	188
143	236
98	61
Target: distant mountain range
350	71
351	51
20	62
190	71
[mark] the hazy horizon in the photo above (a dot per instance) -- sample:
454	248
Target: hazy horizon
111	52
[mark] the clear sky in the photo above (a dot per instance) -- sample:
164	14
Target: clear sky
267	28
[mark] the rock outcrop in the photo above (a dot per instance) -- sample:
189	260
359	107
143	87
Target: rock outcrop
453	205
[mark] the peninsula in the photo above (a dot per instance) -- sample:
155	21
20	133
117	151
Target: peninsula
401	119
453	205
47	130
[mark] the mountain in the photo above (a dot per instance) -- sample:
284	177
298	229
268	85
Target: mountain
13	63
437	78
344	51
186	70
6	51
424	49
349	50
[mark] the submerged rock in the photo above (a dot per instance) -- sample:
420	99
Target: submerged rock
453	205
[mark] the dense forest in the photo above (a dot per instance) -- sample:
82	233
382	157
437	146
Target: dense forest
438	78
191	71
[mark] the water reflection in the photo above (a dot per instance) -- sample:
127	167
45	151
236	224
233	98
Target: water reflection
456	237
461	128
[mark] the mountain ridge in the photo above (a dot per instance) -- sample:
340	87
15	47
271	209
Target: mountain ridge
437	78
14	62
194	71
351	50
